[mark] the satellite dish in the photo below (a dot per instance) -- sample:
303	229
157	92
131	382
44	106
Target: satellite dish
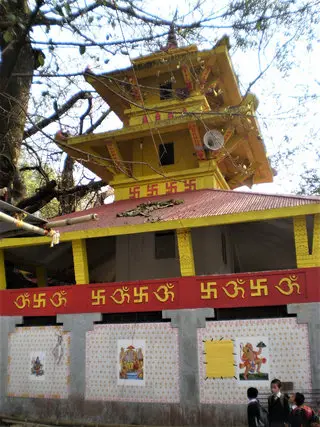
213	140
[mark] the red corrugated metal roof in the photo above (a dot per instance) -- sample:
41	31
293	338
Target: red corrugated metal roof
197	204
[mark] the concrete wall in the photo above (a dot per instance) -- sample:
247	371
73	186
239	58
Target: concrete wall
102	259
135	259
183	336
135	255
207	249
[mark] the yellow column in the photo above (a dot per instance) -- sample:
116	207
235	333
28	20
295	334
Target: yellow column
80	262
304	258
3	280
185	252
41	276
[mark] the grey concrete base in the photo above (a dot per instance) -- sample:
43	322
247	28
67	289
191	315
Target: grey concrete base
7	326
146	414
310	314
188	322
78	325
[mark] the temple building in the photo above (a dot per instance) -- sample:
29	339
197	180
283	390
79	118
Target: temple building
189	291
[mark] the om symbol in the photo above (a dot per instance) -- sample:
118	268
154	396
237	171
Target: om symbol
22	301
123	293
290	283
235	287
58	299
163	293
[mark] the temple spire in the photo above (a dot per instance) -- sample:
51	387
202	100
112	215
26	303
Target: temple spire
172	42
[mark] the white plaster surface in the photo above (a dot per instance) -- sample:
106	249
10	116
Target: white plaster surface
161	363
33	340
289	354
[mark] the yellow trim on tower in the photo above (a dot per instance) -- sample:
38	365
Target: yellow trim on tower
146	227
80	261
41	276
303	255
185	252
3	281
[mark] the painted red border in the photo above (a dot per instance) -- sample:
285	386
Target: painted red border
217	291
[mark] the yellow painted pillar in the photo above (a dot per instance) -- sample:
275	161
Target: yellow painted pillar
41	276
185	252
80	261
3	280
304	258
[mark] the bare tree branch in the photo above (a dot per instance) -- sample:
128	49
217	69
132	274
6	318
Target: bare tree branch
113	43
98	122
48	192
84	115
60	111
43	20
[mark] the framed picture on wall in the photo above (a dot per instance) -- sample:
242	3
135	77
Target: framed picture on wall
37	366
131	362
252	355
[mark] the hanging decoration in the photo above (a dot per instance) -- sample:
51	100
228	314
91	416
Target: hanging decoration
58	350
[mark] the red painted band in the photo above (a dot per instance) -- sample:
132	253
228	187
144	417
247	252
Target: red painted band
218	291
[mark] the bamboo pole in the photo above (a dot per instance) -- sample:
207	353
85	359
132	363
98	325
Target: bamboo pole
24	225
55	235
71	221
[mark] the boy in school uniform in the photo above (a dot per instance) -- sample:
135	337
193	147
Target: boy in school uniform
278	406
253	407
257	416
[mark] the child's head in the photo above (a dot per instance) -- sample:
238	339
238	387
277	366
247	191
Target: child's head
276	386
292	398
299	399
252	393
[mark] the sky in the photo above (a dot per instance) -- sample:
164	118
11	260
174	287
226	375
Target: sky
281	123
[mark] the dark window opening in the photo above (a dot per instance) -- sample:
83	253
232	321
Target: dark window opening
239	313
39	321
166	154
165	245
147	317
310	232
166	91
224	249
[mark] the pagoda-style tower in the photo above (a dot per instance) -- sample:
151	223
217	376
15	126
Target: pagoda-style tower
167	101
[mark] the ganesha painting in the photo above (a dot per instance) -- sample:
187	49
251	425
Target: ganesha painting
253	359
131	362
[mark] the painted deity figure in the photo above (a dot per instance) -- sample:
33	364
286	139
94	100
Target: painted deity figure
131	363
37	367
251	360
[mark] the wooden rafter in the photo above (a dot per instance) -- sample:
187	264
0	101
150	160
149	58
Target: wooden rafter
197	141
187	76
100	161
135	89
241	177
204	76
231	143
116	157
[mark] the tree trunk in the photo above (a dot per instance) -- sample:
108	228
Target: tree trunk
17	57
67	201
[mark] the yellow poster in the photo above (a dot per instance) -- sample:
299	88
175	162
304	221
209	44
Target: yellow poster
219	359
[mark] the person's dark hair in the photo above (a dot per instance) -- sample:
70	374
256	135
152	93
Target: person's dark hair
276	382
252	393
299	399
